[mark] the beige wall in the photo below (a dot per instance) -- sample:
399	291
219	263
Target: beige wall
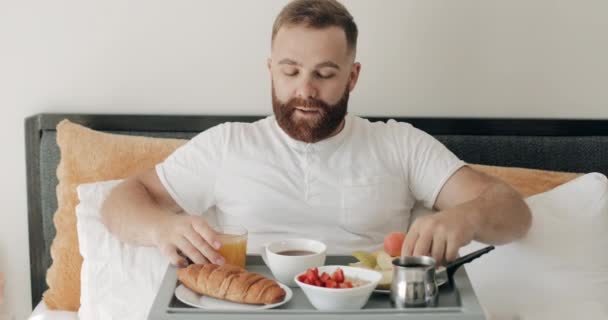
507	58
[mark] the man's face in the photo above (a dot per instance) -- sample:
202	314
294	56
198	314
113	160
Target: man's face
312	73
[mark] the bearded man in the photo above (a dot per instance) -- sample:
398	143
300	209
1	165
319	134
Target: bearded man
312	170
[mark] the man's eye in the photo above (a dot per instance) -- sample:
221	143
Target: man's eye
324	75
290	73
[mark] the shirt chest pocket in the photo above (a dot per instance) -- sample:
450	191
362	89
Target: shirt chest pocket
370	202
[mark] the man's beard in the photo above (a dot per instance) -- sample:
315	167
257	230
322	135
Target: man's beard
322	125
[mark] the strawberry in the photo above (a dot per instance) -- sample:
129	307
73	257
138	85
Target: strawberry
302	278
338	275
325	276
331	284
310	276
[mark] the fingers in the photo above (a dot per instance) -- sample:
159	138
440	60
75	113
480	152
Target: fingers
427	245
407	249
186	238
176	259
451	251
439	236
418	240
202	247
439	247
205	231
426	237
190	251
423	244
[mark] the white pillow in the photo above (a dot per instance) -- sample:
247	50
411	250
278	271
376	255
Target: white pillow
560	269
118	281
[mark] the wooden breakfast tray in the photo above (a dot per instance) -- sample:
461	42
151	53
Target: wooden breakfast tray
456	301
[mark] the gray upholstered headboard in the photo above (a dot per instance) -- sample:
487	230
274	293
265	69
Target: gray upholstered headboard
563	145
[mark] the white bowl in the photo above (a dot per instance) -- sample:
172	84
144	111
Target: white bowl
341	298
284	267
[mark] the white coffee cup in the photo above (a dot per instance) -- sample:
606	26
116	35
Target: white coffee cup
280	257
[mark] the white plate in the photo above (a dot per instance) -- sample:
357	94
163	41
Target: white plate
383	291
196	300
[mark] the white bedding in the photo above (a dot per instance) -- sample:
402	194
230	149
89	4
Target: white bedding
548	275
41	312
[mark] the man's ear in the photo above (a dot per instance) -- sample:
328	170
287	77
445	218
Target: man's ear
354	76
269	64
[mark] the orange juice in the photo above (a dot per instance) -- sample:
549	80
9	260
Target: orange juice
233	249
234	244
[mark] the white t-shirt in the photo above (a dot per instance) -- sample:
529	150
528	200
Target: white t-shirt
348	191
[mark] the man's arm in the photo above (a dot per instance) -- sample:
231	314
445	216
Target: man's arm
472	206
140	211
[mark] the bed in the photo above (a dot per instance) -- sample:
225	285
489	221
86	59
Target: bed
549	144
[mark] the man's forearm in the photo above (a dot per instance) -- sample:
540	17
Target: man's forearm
132	214
499	213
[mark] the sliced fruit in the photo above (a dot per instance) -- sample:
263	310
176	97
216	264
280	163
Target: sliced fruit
338	275
302	277
331	284
366	259
311	277
385	281
335	280
325	276
385	261
357	264
375	253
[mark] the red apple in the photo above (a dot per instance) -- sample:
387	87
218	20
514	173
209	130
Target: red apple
393	242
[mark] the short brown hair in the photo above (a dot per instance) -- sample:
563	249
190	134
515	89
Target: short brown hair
318	14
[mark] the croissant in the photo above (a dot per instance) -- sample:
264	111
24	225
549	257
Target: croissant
231	283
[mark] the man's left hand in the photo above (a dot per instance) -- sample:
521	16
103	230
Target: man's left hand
439	235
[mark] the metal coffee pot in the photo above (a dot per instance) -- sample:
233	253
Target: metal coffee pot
416	279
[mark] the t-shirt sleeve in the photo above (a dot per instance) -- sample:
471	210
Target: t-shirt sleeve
428	164
189	174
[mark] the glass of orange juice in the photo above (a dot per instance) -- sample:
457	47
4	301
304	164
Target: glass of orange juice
234	244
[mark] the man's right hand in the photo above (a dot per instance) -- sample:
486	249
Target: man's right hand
181	236
140	211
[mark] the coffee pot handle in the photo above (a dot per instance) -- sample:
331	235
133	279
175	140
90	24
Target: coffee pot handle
454	265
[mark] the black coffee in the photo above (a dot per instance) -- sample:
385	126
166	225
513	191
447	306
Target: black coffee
295	253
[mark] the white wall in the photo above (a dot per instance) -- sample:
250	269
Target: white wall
468	58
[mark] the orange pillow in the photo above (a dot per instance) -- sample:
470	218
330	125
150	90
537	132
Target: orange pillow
89	156
527	181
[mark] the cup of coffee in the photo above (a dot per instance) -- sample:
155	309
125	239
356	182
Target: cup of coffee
287	258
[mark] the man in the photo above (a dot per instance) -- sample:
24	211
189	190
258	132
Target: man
312	170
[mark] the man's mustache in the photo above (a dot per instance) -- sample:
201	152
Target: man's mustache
308	104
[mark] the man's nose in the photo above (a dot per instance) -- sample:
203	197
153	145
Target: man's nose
306	89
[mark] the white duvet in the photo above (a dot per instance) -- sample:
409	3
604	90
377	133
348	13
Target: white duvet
41	312
118	281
